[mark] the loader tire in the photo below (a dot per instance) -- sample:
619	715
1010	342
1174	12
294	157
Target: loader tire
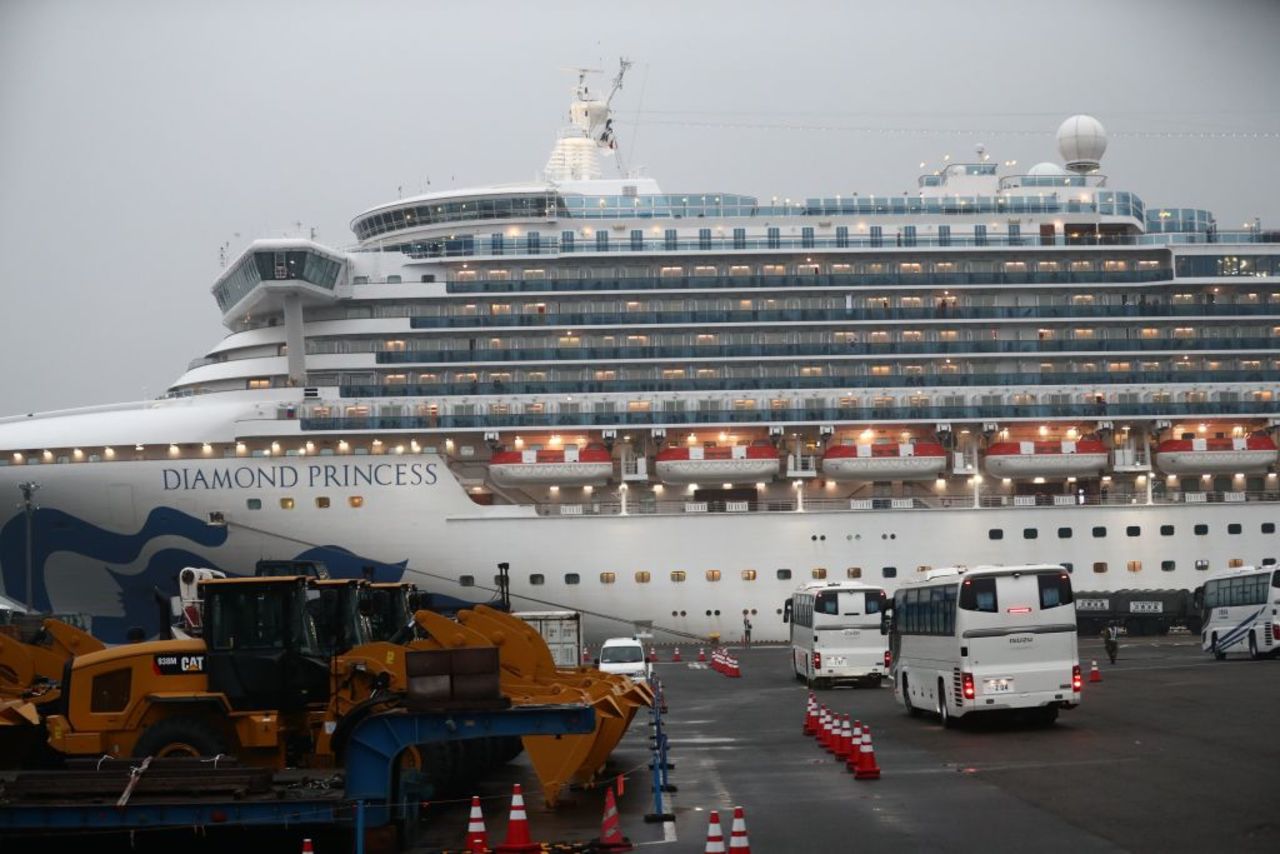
180	737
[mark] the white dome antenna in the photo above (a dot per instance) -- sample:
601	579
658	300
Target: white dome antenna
1082	140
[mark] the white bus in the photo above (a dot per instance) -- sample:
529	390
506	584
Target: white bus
984	639
1240	612
835	633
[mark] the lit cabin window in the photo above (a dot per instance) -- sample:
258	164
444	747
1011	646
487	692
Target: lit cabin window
322	502
853	572
356	500
713	575
819	572
678	575
748	575
1134	566
260	382
1100	567
608	577
286	503
642	577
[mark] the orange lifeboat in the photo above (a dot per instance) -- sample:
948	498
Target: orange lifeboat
1087	457
886	461
1251	455
729	464
571	466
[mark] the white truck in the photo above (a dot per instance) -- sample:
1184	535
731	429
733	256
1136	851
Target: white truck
562	630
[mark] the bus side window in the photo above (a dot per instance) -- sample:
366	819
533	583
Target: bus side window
1055	590
979	594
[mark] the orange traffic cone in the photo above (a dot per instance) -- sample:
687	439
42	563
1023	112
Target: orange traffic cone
810	715
738	841
1095	675
611	838
855	748
702	654
675	656
477	836
734	670
517	840
715	836
653	654
868	769
306	847
844	745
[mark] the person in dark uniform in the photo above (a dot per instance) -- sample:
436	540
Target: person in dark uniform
1111	640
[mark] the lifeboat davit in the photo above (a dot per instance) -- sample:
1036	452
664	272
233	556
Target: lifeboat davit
1047	459
572	466
904	461
1251	455
729	464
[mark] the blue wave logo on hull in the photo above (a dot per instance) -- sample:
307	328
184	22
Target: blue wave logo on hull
141	594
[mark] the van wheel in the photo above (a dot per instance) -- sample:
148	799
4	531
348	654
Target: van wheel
1213	646
1253	647
912	711
944	710
180	737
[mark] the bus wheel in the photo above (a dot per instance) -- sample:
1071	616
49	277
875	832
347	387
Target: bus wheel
944	711
912	711
1213	645
1253	647
1044	716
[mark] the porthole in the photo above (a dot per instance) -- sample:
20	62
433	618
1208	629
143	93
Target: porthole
713	575
889	572
1030	533
853	572
678	575
1168	565
286	503
254	503
467	580
572	578
819	572
642	576
1099	531
608	577
1234	528
1133	531
1064	533
1201	529
537	578
995	534
322	502
784	574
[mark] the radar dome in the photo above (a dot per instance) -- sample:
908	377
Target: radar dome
1082	140
1046	168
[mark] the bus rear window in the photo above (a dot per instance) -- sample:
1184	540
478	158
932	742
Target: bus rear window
875	599
979	594
1055	590
828	602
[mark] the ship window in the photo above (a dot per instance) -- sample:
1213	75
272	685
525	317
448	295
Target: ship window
322	502
784	574
1166	530
1100	566
889	572
1234	528
1064	533
1202	565
819	572
260	383
642	576
1030	533
995	534
1134	566
713	575
572	578
286	503
356	500
853	572
1201	529
1099	531
1167	566
110	691
254	503
748	575
1133	531
608	577
678	575
1268	527
537	579
467	580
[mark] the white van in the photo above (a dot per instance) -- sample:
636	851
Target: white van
624	656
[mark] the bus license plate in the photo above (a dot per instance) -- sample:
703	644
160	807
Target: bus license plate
997	686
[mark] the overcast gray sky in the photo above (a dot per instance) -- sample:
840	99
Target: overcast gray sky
138	137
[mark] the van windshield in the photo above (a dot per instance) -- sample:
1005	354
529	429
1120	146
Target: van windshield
621	655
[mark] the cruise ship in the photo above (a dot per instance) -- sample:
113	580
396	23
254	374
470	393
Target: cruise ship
670	409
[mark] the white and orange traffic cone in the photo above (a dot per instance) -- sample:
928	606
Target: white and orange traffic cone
867	769
518	841
738	842
855	748
611	838
307	848
715	836
586	656
675	656
810	715
477	836
653	655
1095	675
844	745
702	655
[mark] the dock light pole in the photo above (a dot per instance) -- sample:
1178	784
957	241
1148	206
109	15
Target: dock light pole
28	488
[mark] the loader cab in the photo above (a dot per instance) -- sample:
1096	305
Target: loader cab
390	611
263	650
275	568
340	611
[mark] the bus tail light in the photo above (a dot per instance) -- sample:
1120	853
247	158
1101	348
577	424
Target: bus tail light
967	684
1076	681
817	662
888	656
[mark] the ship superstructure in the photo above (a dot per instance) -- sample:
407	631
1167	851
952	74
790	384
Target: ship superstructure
672	408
